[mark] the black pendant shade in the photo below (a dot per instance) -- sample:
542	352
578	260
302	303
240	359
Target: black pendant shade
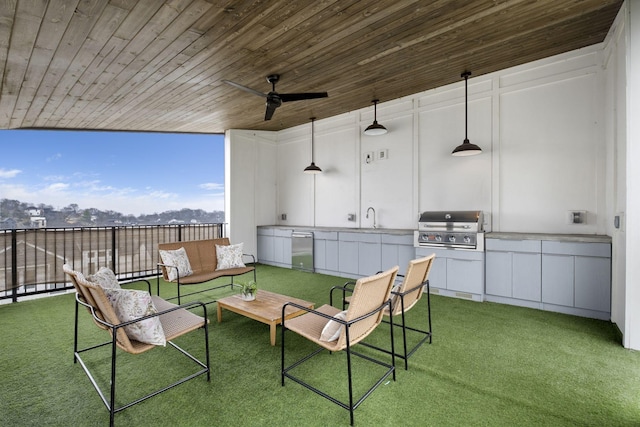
375	128
466	148
312	168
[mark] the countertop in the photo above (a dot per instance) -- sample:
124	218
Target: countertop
581	238
399	231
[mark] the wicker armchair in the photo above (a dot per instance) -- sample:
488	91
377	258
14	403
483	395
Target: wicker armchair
176	320
404	297
369	299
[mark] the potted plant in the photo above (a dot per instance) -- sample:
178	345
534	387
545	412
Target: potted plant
249	290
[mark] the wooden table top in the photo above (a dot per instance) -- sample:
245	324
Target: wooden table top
267	305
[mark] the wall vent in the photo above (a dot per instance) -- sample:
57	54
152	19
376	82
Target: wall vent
464	295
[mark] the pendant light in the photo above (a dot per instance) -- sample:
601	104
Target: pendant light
375	128
312	168
466	148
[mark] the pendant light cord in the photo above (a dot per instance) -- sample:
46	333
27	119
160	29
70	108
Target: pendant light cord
313	119
466	75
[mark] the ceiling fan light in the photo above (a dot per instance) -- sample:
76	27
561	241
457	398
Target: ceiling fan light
466	149
375	129
312	169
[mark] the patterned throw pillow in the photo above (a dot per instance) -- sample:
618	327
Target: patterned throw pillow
130	304
332	329
105	278
229	256
177	258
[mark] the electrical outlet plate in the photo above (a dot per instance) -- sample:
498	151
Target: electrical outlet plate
382	154
576	217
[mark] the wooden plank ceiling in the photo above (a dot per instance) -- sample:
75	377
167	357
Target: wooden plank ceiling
152	65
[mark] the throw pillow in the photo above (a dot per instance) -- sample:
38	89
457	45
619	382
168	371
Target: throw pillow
229	256
177	258
332	329
104	278
130	304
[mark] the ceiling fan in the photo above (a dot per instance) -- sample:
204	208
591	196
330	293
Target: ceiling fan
275	99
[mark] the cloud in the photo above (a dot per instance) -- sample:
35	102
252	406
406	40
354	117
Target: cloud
126	200
54	157
57	187
212	186
9	173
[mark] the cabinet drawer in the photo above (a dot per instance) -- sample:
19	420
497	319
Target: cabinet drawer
573	248
398	239
265	231
282	233
533	246
360	237
325	235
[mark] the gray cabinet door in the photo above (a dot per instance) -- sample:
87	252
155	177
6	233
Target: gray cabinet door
557	279
465	275
389	257
348	261
320	254
498	274
593	283
438	273
332	255
527	276
369	256
265	248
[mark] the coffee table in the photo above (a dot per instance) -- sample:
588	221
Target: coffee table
266	308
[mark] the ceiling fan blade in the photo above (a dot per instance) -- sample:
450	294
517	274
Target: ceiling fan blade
286	97
246	89
269	112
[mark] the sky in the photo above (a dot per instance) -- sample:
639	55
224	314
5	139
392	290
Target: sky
131	173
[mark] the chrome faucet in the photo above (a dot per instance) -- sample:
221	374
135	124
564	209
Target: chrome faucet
374	216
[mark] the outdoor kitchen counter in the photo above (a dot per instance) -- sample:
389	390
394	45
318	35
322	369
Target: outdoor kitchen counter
579	238
399	231
340	251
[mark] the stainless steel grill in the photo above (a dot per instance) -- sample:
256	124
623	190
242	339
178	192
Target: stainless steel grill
452	229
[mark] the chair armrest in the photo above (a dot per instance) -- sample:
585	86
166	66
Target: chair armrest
185	306
307	309
136	280
170	266
346	288
408	291
252	257
329	317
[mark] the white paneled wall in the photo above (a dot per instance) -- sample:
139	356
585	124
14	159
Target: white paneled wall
544	154
552	156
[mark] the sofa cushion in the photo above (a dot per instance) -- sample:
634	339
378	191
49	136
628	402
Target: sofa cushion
177	258
229	256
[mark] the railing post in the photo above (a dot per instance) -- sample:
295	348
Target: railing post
113	250
14	265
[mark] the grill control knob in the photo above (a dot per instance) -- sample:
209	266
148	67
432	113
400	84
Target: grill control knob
452	239
467	239
438	238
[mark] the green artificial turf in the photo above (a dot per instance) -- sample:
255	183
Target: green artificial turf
489	365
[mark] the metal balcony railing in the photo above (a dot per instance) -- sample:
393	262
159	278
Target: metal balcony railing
31	259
